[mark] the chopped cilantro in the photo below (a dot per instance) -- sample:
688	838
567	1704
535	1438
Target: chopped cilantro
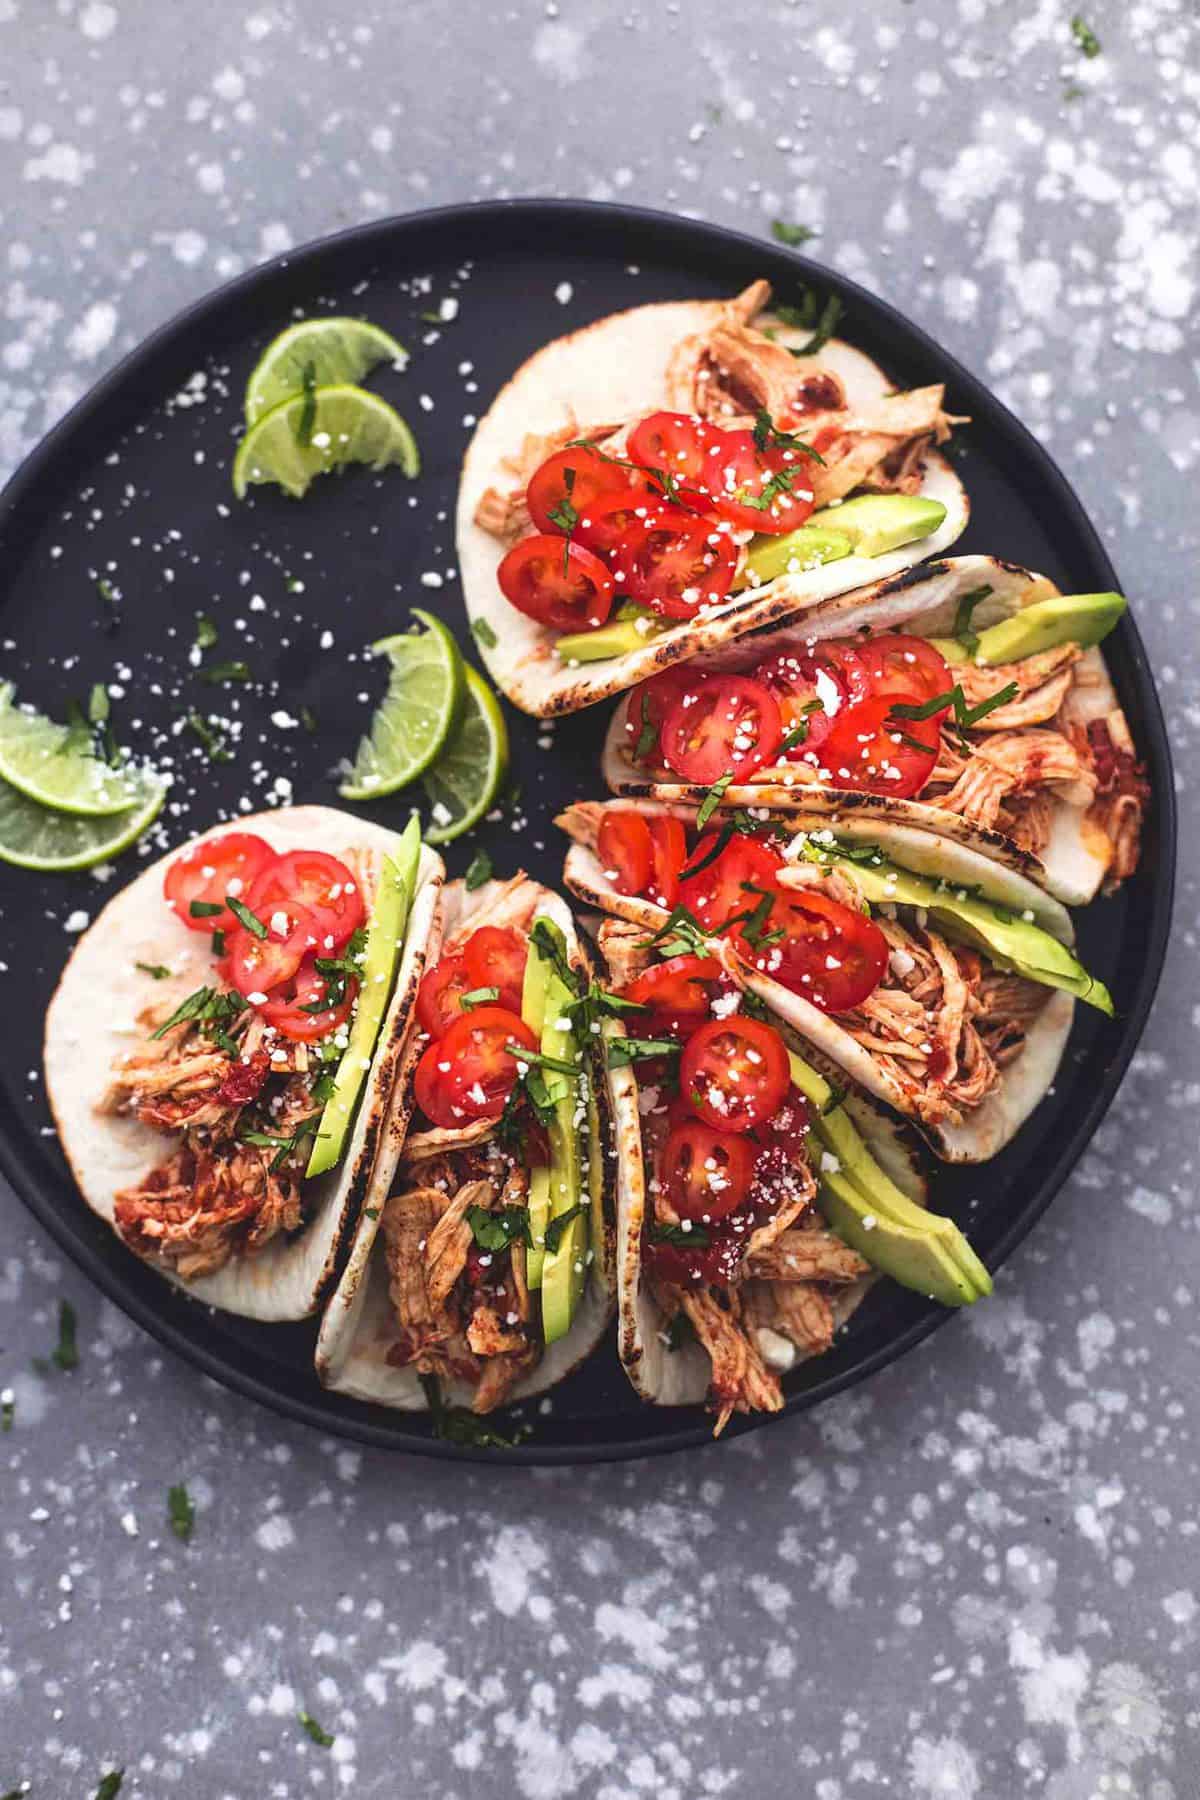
1085	37
315	1731
497	1230
308	412
65	1354
227	671
625	1050
479	871
204	909
964	716
962	618
483	633
455	1425
694	1238
812	314
712	799
206	632
557	1226
158	970
8	1410
110	1785
251	921
539	1059
181	1512
308	719
110	600
98	706
791	235
648	733
212	739
482	996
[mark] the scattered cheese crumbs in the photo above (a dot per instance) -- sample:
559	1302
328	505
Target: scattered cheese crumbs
829	1163
431	579
77	921
563	292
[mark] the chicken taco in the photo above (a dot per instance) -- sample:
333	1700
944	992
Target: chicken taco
968	698
221	1049
941	983
756	1201
483	1272
670	477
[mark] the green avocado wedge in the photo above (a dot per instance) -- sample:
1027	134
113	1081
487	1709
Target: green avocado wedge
877	523
1082	619
914	1258
1015	944
630	629
795	552
393	903
565	1260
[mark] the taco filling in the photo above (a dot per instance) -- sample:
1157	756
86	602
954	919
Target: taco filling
490	1237
661	516
733	1254
938	985
1002	747
253	1078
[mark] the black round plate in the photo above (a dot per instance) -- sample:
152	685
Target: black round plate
133	488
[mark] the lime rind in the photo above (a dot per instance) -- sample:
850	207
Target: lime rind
413	722
339	350
462	786
35	837
349	426
47	763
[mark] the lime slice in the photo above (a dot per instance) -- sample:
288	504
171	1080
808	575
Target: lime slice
33	837
51	764
417	713
338	351
463	783
347	425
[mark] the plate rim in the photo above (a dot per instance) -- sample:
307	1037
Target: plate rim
702	236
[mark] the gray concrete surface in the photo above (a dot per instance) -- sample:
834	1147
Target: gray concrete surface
979	1576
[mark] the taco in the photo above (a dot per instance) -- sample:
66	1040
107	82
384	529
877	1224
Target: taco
670	477
941	983
755	1201
484	1272
221	1048
1028	758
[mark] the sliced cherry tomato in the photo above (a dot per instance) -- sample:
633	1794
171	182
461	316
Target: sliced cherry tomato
706	1173
903	667
258	965
626	850
676	993
208	871
726	887
604	521
810	690
676	562
818	948
678	445
731	727
469	1072
560	584
439	997
872	751
301	1009
767	490
734	1072
668	853
495	956
568	482
650	702
317	880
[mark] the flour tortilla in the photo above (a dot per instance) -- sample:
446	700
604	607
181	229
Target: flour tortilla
359	1328
92	1021
983	1131
923	602
681	1377
616	369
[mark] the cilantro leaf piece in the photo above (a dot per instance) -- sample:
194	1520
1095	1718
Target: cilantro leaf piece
648	733
484	996
308	412
159	971
557	1226
206	632
497	1230
694	1238
65	1354
212	739
8	1412
455	1425
961	628
316	1732
242	913
791	235
539	1059
226	671
964	716
481	870
98	705
110	1785
308	719
483	633
1085	37
181	1512
111	602
625	1050
712	800
204	909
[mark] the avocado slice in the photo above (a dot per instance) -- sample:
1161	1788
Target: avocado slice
875	523
622	635
1066	619
533	1012
1013	943
950	650
564	1268
385	935
806	548
913	1257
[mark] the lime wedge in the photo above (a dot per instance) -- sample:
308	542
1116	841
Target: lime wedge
55	765
337	351
35	838
339	426
462	785
417	713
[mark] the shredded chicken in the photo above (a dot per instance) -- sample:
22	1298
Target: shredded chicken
740	1381
982	781
796	1310
806	1255
1122	794
196	1209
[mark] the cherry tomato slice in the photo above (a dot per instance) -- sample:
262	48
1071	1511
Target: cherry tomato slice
676	993
809	690
257	965
724	888
568	482
650	702
820	949
676	562
706	1173
677	444
290	1009
559	583
495	956
668	853
206	872
469	1073
734	1072
903	667
626	851
871	751
439	997
604	521
731	727
319	881
767	490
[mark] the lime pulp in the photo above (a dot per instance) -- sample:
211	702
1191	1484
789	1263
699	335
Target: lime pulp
55	765
463	784
310	434
416	716
322	352
33	837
